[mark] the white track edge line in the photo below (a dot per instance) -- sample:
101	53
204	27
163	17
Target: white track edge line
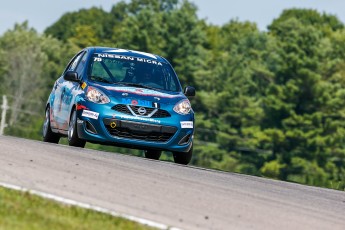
88	206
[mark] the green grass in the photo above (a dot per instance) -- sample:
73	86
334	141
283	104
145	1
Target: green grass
21	210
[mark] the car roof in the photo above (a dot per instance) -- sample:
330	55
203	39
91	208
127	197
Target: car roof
126	52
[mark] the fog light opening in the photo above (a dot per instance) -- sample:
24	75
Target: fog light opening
185	140
89	127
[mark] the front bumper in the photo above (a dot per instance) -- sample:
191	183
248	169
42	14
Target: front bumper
115	128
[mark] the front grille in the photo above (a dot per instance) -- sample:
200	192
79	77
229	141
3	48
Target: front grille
122	109
139	131
127	133
160	113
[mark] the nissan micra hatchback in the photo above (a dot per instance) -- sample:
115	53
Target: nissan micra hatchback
124	98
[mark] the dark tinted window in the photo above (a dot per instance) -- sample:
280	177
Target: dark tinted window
82	63
75	62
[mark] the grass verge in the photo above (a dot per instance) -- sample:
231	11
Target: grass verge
21	210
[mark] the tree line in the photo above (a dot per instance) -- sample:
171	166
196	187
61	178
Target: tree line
269	103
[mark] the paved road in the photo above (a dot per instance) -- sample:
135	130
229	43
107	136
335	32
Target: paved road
179	196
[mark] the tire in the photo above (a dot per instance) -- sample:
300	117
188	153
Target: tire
47	133
73	139
153	154
183	158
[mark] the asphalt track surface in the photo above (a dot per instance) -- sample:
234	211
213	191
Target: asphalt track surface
180	196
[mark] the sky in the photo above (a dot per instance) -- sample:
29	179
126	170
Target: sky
41	14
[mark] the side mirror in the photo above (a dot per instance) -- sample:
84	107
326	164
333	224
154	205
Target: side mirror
71	76
189	91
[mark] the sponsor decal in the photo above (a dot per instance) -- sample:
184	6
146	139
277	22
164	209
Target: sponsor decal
100	56
186	124
129	58
90	114
149	61
136	102
132	51
137	118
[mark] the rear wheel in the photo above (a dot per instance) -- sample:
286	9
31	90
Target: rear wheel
183	158
73	139
48	134
153	154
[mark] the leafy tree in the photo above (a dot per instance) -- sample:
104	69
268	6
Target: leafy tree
30	71
231	97
85	21
303	100
2	70
24	63
84	36
165	27
307	17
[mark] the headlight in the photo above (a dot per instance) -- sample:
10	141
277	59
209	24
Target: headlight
183	107
96	96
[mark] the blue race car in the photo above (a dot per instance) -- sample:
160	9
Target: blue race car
123	98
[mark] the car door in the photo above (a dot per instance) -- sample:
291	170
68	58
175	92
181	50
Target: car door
63	95
72	89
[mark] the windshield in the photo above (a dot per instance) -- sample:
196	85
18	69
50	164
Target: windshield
132	71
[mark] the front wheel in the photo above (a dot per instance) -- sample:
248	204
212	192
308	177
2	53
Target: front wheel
48	134
73	139
152	154
183	158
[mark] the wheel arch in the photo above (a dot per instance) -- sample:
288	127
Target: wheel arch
47	106
74	107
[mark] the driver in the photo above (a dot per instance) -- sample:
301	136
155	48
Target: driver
144	73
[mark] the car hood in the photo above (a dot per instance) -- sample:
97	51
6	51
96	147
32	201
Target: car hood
141	93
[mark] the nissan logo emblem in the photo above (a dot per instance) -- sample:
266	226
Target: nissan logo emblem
142	111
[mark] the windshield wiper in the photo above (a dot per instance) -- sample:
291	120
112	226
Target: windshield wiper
135	85
100	79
